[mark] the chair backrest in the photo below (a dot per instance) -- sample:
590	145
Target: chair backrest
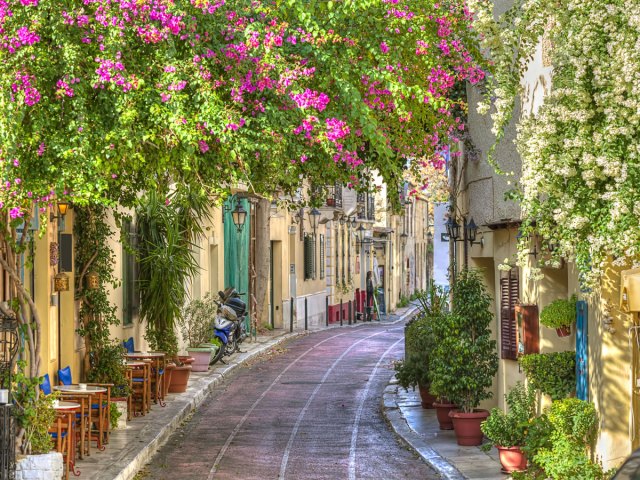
128	345
64	376
45	386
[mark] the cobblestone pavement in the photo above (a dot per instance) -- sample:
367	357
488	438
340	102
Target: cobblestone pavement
308	409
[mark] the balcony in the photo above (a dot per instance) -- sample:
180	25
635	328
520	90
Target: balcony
334	196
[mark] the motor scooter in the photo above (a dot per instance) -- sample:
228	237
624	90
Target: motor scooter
229	326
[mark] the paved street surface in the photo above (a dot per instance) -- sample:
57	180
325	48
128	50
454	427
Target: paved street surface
309	409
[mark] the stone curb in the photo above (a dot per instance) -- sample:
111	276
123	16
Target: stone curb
205	385
394	417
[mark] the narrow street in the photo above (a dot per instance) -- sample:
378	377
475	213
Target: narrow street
307	410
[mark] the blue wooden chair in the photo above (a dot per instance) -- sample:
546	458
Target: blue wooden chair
128	345
100	411
64	376
45	386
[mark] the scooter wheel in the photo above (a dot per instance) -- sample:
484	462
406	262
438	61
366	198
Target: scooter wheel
219	351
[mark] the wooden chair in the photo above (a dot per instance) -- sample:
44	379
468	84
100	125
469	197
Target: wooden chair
62	433
140	398
83	421
101	415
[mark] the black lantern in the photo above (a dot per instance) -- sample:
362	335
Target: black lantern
239	215
453	229
314	216
472	232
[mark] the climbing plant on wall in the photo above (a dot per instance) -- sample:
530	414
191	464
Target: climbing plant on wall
581	149
103	356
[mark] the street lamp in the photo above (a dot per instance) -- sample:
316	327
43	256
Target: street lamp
62	210
453	229
472	231
314	216
239	215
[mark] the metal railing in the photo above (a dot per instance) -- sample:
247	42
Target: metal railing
7	443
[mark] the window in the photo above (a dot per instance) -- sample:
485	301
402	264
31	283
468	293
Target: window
130	292
309	257
509	288
321	256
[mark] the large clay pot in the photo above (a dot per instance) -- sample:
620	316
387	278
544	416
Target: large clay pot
467	426
512	459
202	356
442	413
179	379
564	331
166	382
426	397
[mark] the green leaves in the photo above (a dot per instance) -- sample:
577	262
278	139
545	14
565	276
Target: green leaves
464	359
551	373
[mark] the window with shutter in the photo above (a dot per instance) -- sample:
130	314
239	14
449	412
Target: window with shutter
509	288
308	256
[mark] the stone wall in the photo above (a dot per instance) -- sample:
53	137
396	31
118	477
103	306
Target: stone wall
40	467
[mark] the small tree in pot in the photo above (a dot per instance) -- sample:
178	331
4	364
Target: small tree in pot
196	325
508	431
465	358
419	338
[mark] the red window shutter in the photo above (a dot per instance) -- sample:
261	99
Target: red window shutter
509	289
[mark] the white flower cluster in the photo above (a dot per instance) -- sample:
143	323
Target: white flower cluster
581	150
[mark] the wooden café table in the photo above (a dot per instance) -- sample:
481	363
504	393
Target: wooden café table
68	411
157	360
88	391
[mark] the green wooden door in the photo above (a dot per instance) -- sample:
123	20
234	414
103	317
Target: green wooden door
236	251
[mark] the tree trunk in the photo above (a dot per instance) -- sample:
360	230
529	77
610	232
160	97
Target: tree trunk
263	246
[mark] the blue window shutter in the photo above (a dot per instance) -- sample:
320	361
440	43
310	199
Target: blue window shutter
582	342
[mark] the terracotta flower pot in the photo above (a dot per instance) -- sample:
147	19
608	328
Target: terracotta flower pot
180	379
186	359
512	459
467	426
442	413
202	356
168	373
426	397
564	331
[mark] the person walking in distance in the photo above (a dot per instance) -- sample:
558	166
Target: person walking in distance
370	290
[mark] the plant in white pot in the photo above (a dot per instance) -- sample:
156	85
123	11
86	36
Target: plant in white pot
464	359
196	326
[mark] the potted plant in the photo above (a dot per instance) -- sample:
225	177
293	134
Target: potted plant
561	442
168	229
108	367
413	371
508	431
196	325
560	314
465	358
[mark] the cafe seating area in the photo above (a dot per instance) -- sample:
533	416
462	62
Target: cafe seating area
82	425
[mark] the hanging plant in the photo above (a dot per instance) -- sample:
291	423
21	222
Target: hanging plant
54	254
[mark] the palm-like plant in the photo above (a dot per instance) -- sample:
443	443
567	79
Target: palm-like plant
167	234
